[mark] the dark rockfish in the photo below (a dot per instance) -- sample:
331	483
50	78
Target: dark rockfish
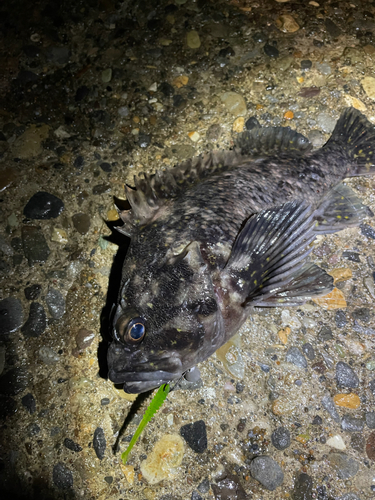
219	234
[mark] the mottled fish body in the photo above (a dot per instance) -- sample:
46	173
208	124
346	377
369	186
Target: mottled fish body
219	234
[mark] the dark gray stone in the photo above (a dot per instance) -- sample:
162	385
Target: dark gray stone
214	132
306	64
14	381
195	435
71	445
106	167
43	205
317	420
371	385
32	292
267	472
329	405
99	443
280	438
353	256
361	314
166	89
332	28
62	477
58	55
271	51
144	140
251	123
28	402
370	419
35	246
352	424
346	376
340	319
195	496
325	334
303	487
308	350
56	303
81	93
101	189
11	315
32	429
36	322
295	356
204	486
345	466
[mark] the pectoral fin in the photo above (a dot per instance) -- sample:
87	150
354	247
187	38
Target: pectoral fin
267	264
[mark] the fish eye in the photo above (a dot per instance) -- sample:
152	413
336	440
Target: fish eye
130	330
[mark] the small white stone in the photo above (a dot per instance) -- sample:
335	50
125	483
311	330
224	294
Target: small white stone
59	235
61	133
336	442
153	87
194	136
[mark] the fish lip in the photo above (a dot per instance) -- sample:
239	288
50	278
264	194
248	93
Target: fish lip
124	377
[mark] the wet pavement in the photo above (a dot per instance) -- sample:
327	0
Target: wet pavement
94	92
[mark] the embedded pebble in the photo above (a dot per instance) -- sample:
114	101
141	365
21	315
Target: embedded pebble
195	435
345	376
35	246
324	68
367	231
72	445
352	424
370	419
306	64
332	28
107	75
230	355
341	274
32	292
84	339
36	322
214	132
59	235
368	84
295	356
308	351
251	123
325	334
29	144
99	443
81	223
62	477
333	300
369	284
227	487
234	103
336	442
192	40
280	438
287	24
370	446
28	402
11	315
303	487
271	51
56	303
238	124
347	400
326	122
357	442
48	355
43	205
353	256
329	405
345	466
361	314
166	455
340	319
267	472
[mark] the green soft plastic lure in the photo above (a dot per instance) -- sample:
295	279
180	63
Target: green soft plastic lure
152	408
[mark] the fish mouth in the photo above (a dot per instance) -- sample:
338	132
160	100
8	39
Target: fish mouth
145	373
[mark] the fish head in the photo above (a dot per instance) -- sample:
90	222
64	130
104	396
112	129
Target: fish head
167	320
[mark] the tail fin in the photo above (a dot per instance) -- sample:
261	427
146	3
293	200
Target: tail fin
356	135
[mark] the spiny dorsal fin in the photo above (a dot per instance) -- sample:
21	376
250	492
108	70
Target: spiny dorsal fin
262	141
152	191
